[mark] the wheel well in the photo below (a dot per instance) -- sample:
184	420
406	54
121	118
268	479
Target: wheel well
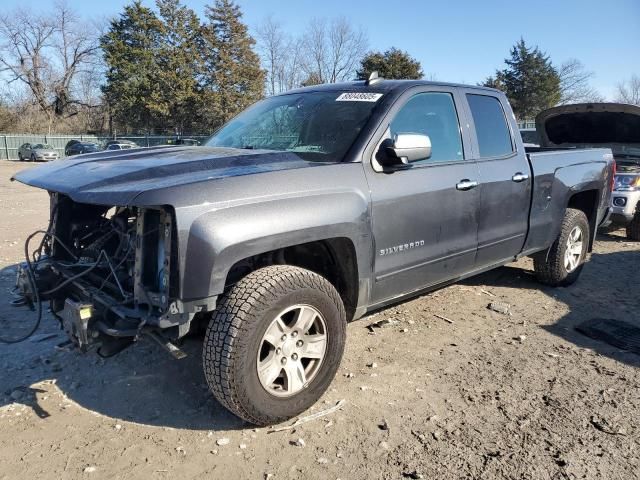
587	201
334	259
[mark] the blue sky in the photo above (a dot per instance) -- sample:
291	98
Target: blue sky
458	40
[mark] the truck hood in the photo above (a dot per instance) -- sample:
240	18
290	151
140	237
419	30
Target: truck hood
613	125
118	177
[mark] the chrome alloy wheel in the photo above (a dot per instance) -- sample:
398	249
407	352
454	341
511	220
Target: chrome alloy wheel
292	350
573	252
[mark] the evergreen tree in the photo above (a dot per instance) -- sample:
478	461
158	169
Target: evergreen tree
392	64
179	65
530	81
131	48
233	78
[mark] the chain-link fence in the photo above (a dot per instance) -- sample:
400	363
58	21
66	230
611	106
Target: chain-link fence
11	142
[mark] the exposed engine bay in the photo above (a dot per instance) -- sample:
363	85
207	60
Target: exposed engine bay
107	273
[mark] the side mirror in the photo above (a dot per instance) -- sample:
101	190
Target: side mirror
406	148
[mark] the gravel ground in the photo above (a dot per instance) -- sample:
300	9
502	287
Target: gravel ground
483	395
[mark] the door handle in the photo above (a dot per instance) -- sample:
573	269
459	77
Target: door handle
466	184
520	177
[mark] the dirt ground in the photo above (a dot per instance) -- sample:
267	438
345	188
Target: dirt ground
488	396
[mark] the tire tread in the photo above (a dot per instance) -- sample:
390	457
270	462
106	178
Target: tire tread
549	264
233	318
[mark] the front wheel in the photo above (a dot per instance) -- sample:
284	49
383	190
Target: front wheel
562	263
274	343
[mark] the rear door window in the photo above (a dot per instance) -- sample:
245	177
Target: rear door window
492	131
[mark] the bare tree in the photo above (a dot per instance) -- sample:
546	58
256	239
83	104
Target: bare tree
46	53
629	91
333	50
272	43
282	55
574	83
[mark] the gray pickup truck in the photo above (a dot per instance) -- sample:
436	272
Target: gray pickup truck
304	212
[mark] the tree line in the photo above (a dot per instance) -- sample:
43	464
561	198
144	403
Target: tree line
168	70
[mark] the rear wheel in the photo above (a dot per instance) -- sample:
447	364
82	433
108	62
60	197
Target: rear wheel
20	156
562	263
274	343
633	229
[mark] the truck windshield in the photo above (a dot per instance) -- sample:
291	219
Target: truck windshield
318	126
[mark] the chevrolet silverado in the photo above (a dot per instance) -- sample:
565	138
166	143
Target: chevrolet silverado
304	212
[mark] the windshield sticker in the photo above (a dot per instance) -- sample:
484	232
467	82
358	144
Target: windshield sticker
358	97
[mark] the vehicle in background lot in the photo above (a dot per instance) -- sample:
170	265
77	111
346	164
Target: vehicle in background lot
186	141
69	144
82	147
530	137
37	152
119	142
610	125
306	211
120	146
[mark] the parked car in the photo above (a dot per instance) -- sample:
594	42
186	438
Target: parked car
611	125
37	151
307	211
120	146
82	147
69	144
530	137
186	141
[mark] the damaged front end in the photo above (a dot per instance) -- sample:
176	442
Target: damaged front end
109	273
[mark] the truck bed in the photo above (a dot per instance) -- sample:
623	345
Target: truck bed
557	174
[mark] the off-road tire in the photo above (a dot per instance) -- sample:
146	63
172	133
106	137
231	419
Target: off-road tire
549	264
20	157
236	329
633	229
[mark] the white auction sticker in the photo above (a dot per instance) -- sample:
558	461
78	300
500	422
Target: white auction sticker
359	97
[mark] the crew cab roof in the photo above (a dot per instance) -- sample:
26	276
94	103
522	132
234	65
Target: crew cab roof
382	86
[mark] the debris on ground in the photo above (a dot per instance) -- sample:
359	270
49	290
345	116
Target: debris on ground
385	322
299	443
442	317
413	475
500	307
222	442
606	426
311	417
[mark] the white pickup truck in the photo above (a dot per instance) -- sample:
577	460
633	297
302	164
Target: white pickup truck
611	125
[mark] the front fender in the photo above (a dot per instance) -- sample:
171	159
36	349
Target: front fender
218	239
